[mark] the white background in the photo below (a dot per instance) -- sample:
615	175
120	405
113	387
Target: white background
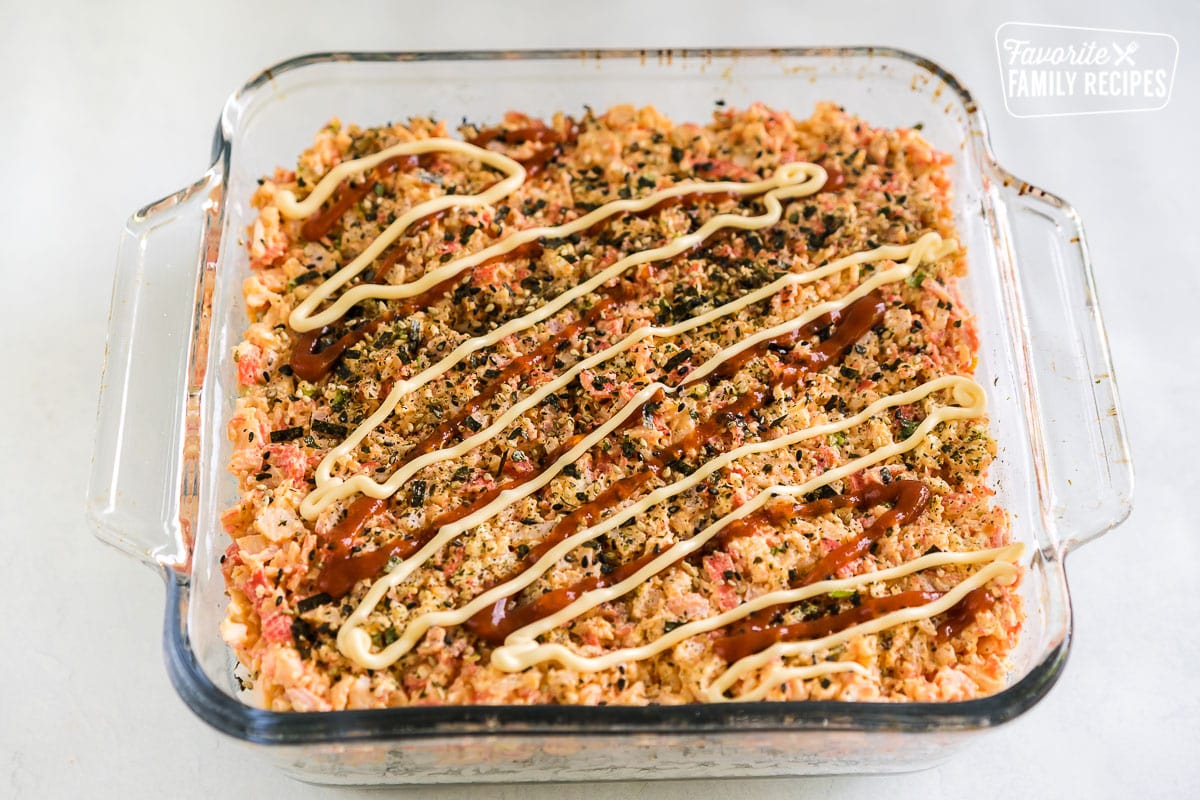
106	106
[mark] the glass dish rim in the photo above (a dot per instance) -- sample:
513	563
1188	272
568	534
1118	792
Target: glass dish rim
233	717
260	726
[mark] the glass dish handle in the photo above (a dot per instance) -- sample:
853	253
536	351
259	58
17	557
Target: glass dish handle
142	483
1087	481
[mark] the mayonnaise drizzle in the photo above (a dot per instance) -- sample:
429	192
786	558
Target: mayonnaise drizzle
798	179
302	317
521	644
521	649
1000	559
929	247
572	660
1002	570
790	181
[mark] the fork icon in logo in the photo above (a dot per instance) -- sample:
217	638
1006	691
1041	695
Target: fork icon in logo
1125	54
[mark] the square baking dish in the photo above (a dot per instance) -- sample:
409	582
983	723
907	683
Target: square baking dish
159	481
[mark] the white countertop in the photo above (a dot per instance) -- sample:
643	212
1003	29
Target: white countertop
110	105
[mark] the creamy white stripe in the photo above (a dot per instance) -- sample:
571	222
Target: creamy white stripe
446	533
1002	571
571	660
798	179
517	648
929	247
302	317
792	180
356	644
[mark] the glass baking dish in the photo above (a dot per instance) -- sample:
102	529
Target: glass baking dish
159	482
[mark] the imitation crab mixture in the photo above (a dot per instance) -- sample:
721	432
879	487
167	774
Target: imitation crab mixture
881	489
